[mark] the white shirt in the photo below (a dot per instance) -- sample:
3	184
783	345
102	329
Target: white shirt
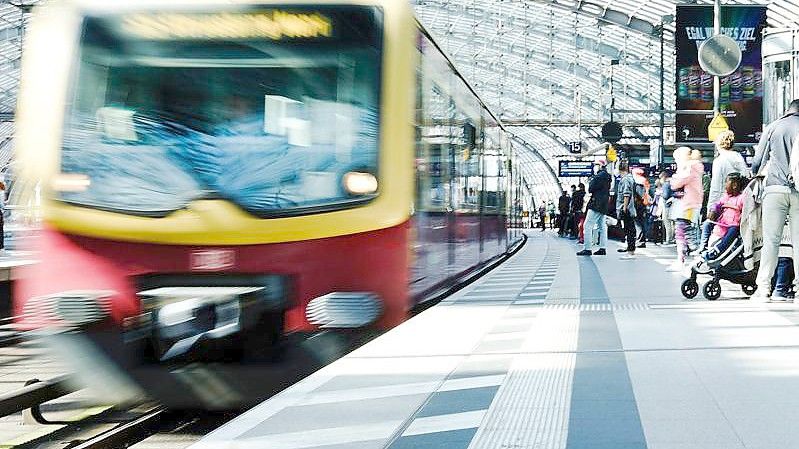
728	161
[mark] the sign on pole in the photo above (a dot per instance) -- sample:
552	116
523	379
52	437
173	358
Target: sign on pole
717	125
611	155
575	147
720	55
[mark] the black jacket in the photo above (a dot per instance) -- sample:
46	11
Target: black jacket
563	204
599	188
578	201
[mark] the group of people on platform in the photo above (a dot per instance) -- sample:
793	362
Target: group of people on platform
700	214
570	213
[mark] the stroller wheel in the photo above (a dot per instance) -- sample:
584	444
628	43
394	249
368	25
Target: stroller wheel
749	290
712	290
689	288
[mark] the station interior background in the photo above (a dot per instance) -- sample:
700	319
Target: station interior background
551	70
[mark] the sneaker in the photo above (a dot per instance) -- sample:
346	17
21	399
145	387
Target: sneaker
628	256
621	250
760	297
601	252
584	252
642	245
778	296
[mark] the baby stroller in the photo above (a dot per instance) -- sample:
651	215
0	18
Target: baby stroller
721	263
736	261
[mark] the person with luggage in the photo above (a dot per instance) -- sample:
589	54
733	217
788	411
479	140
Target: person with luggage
780	196
784	276
577	202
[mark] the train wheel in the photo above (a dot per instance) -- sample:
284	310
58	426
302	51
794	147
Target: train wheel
689	288
749	290
712	290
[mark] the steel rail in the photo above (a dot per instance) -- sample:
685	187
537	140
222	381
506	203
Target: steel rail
33	395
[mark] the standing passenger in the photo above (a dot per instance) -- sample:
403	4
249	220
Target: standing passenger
578	202
642	203
599	188
625	208
542	215
727	161
688	180
563	209
781	198
665	208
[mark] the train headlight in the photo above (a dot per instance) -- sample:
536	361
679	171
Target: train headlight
178	312
183	316
71	182
360	183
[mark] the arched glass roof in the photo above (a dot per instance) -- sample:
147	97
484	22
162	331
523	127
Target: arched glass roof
544	66
13	17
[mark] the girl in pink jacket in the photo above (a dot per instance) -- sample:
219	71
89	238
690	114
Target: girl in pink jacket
688	180
726	214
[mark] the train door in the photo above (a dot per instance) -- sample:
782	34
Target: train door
433	204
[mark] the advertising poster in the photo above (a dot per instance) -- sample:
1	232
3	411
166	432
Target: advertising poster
741	92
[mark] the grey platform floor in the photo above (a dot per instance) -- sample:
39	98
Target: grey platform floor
552	351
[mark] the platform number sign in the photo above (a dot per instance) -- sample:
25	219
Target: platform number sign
575	147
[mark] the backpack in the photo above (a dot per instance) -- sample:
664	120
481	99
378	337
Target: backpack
641	195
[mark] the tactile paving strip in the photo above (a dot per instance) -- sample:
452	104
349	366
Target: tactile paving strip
451	420
602	307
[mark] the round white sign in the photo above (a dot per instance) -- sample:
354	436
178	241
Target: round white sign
720	55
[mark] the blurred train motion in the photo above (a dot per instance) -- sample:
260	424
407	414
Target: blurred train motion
220	178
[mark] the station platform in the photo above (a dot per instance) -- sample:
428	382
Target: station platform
14	259
553	351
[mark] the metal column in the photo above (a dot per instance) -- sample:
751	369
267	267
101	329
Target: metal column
716	79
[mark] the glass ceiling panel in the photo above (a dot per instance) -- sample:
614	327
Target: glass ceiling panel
544	65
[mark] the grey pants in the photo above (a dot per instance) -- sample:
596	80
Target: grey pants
776	207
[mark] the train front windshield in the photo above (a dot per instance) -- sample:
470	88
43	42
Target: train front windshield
270	109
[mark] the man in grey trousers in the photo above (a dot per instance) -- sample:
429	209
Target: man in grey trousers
781	198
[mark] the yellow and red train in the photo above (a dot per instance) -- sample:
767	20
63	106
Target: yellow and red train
217	175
